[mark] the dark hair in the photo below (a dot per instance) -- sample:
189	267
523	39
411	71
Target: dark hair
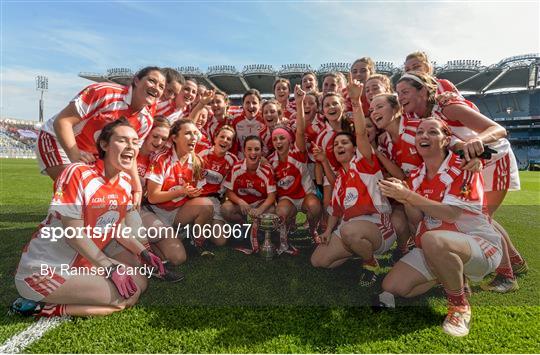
252	92
348	134
107	132
161	121
144	72
253	138
430	83
172	75
345	124
316	89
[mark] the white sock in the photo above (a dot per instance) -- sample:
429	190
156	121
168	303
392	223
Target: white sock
388	299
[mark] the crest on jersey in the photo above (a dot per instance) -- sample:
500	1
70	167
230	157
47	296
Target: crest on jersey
465	190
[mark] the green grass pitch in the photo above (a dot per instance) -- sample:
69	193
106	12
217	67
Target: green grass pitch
241	304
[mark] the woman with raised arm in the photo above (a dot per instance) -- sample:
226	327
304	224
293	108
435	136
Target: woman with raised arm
472	132
295	189
365	229
454	238
174	183
74	274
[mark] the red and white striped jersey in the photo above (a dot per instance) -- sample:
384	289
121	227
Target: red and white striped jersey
99	104
214	125
247	127
251	186
168	171
168	110
455	187
325	140
356	192
216	168
403	152
82	192
292	176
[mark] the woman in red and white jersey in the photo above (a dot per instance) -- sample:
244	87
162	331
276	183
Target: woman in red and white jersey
333	109
179	106
218	162
73	274
173	84
454	236
471	131
174	184
221	117
250	185
309	82
365	227
201	122
377	84
295	188
70	136
249	122
272	113
418	61
154	142
282	91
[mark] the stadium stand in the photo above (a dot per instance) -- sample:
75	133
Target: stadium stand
507	91
18	138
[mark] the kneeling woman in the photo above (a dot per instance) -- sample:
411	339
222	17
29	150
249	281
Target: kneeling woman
174	183
366	229
250	185
454	237
75	276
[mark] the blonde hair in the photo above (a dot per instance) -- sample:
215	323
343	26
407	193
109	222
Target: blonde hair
383	79
422	57
368	61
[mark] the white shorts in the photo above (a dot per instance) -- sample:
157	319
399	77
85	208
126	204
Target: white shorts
501	174
166	216
217	209
485	258
49	152
382	221
297	202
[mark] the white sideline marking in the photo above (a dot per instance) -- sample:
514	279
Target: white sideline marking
19	342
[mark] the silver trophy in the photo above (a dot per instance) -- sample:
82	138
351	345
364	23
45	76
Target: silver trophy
268	222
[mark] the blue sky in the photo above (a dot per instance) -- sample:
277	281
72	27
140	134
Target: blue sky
62	38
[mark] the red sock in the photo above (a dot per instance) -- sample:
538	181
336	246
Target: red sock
456	297
52	310
516	259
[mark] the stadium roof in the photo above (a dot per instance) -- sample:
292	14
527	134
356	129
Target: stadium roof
469	76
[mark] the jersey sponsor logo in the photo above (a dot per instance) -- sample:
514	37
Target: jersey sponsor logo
286	182
109	218
213	177
97	200
249	191
351	197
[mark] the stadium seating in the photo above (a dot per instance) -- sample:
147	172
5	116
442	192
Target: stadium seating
18	138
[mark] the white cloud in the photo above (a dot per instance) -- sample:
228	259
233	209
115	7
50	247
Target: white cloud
19	98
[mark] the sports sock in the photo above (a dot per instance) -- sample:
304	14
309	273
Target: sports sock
52	310
456	297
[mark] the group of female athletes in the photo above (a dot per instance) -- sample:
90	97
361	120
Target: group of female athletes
367	163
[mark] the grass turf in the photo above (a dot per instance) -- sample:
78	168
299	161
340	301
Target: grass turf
241	304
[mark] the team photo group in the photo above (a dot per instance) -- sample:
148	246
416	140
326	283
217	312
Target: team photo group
147	176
